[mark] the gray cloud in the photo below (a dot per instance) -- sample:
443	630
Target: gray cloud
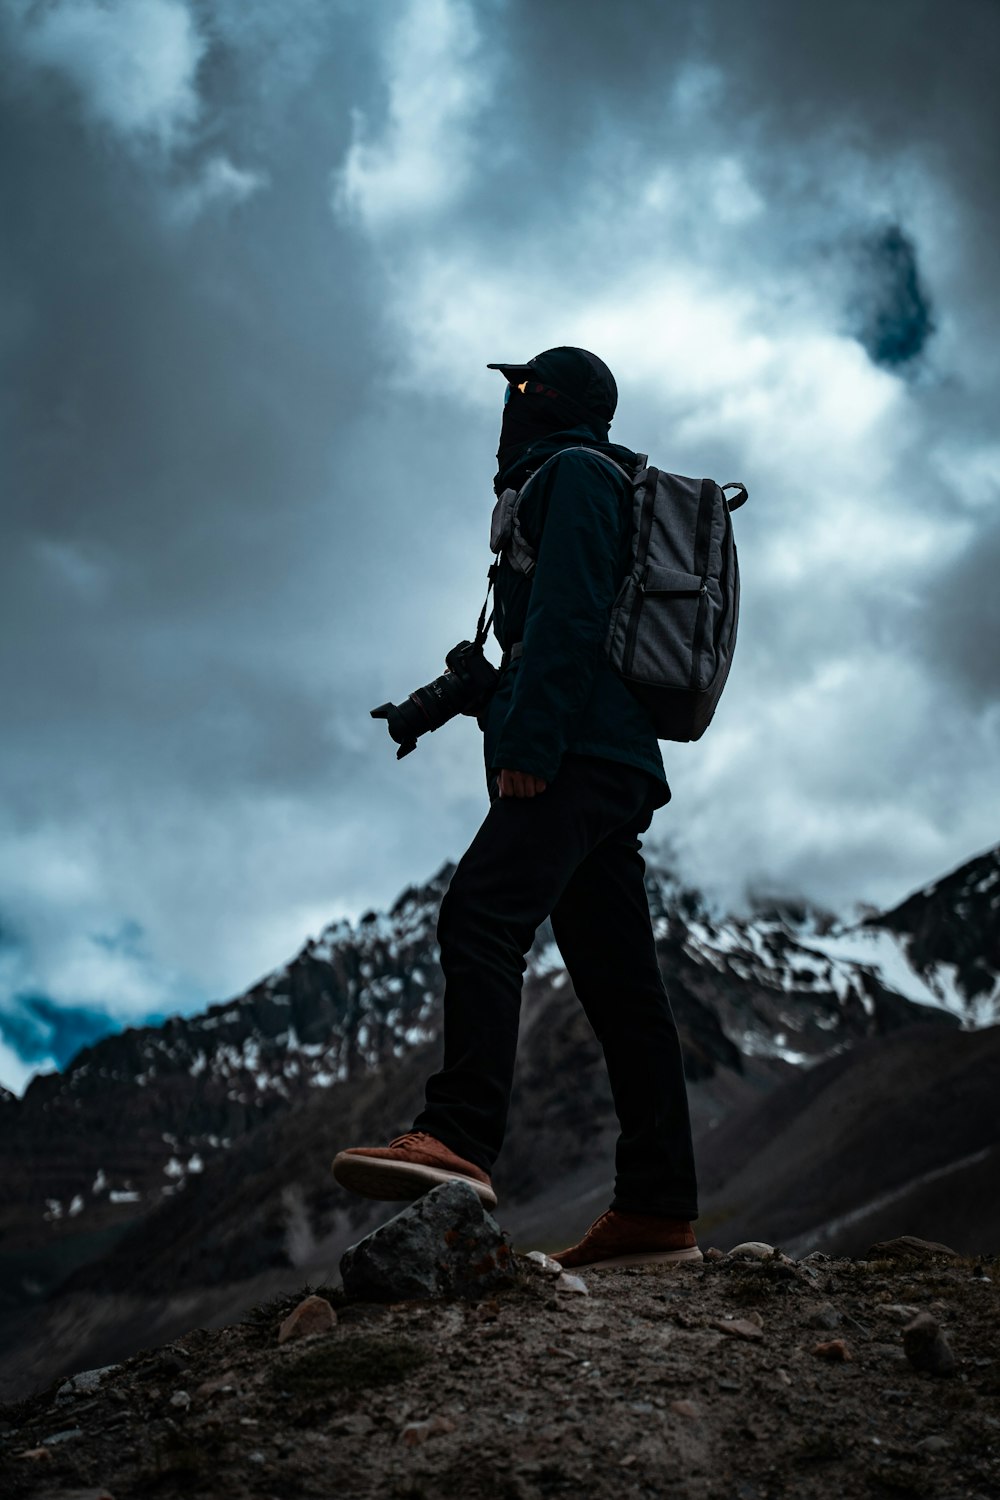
248	437
959	621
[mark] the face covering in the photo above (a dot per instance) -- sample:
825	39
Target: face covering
526	418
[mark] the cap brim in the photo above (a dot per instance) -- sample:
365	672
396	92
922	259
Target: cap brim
511	371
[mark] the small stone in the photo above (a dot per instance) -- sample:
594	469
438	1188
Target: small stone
689	1409
926	1347
833	1349
751	1250
313	1315
712	1253
544	1263
909	1247
84	1383
256	1457
782	1377
569	1285
443	1244
66	1436
823	1315
181	1400
355	1424
738	1328
416	1433
755	1317
899	1312
934	1444
35	1455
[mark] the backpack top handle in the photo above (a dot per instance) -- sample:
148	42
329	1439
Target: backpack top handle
739	498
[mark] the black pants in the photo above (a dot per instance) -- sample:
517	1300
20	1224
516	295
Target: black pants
571	853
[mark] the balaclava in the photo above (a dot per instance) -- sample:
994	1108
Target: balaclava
586	396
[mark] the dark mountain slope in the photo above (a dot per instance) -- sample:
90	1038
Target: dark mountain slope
871	1142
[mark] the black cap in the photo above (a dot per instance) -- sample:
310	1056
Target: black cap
575	372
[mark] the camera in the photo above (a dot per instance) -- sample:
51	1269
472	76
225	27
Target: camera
465	688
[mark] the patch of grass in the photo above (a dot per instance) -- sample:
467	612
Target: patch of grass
335	1295
262	1321
274	1310
347	1364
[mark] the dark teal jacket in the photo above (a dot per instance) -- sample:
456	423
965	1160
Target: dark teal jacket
562	694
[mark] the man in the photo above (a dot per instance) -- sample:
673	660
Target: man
574	774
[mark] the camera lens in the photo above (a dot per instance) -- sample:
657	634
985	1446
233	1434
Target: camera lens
469	678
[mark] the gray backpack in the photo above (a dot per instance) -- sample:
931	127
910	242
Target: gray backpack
673	624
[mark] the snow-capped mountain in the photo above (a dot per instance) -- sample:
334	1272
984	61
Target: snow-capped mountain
947	937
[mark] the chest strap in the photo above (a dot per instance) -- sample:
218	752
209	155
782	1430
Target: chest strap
511	654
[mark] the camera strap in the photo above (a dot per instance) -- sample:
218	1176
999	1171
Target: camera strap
483	628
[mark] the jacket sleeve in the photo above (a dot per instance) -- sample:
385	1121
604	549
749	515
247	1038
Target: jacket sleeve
573	590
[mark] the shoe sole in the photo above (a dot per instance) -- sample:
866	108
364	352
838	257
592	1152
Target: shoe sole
399	1181
649	1258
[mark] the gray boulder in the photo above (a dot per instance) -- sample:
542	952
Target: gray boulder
444	1244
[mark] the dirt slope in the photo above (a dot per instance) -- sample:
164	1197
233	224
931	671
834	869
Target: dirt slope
634	1390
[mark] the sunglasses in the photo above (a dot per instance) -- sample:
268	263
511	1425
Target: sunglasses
531	388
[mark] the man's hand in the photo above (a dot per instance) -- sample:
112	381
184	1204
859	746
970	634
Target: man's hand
520	784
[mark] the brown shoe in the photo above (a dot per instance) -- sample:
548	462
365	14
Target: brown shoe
619	1239
407	1168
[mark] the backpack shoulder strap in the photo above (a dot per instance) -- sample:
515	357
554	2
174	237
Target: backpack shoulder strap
506	535
596	453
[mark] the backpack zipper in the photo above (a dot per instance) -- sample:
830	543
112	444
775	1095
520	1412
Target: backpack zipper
702	540
642	544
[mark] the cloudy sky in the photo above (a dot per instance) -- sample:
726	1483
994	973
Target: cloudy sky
254	258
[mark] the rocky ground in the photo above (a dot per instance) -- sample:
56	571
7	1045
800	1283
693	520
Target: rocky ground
741	1379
